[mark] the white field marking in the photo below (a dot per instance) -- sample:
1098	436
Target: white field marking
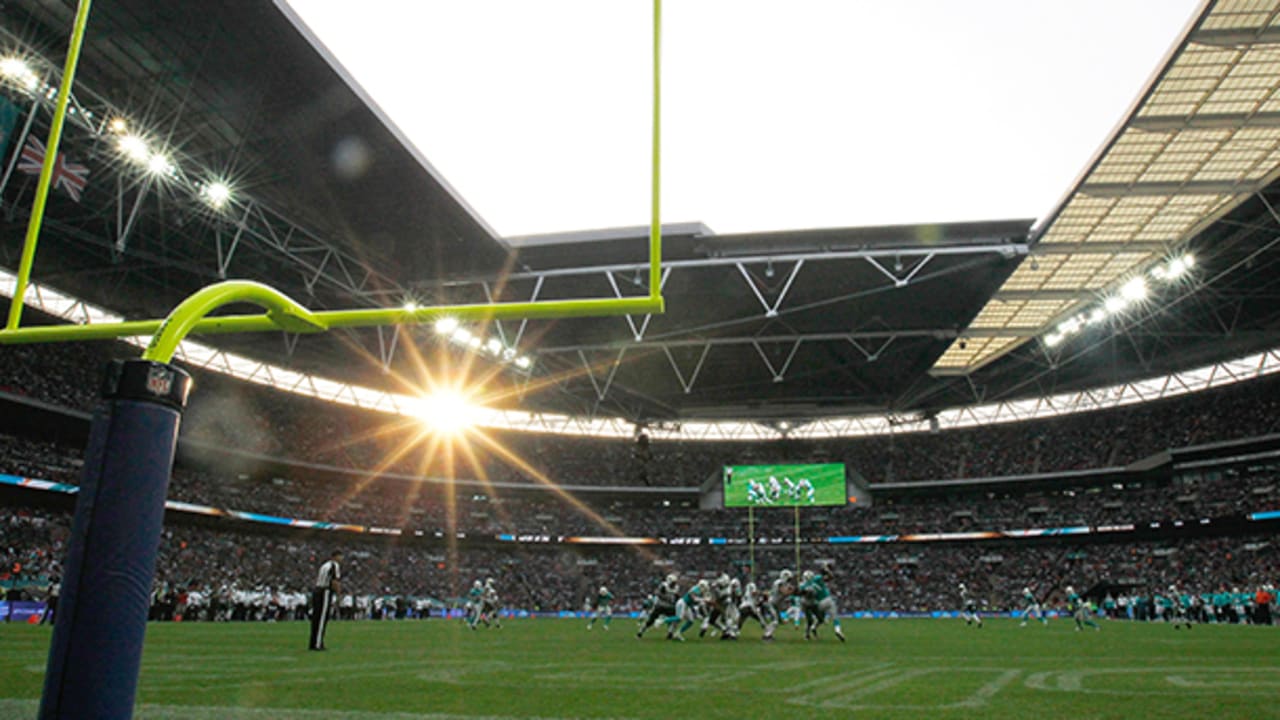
848	693
1211	684
28	708
817	684
984	694
845	686
848	701
1074	680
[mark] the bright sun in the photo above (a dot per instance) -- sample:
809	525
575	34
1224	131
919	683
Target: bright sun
447	411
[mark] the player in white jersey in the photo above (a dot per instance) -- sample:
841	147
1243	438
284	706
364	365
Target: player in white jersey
969	607
490	605
752	606
778	602
664	603
723	609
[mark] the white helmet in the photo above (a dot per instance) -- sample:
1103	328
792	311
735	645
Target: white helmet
603	590
673	578
722	580
962	587
477	584
1070	589
784	575
704	584
806	576
488	582
1026	590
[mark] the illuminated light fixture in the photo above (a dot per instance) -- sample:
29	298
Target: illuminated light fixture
461	335
1114	305
1052	339
494	346
1189	260
1135	289
523	362
508	354
217	194
447	411
474	342
446	325
134	148
1097	316
410	306
16	69
1068	326
118	125
158	164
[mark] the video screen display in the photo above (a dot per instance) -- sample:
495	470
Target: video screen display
784	485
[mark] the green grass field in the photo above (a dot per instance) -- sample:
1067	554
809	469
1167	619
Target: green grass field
556	669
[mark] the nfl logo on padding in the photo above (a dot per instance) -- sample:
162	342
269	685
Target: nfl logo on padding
159	381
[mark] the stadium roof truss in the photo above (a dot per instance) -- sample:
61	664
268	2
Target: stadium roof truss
1200	141
899	265
52	302
242	225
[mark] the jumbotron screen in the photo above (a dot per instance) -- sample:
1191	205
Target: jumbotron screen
784	485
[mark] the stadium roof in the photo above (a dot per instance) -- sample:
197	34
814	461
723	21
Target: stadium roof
333	208
1202	139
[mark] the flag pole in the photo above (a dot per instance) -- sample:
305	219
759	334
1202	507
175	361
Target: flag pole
46	172
17	148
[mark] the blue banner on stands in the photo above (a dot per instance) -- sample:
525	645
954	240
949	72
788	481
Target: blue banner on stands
23	611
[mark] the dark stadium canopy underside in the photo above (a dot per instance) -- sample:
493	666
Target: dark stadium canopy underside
778	326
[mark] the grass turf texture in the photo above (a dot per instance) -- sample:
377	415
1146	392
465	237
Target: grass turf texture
557	669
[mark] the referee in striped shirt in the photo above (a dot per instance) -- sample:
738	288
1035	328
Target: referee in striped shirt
328	585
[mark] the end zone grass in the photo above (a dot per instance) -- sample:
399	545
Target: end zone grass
439	670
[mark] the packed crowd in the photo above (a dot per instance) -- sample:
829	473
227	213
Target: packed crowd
230	413
207	573
412	505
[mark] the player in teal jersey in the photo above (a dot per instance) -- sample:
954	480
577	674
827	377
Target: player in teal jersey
1032	607
475	602
687	610
604	608
1079	608
820	606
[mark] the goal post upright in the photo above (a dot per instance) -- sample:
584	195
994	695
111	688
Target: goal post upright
96	651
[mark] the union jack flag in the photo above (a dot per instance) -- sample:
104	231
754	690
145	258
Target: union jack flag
71	177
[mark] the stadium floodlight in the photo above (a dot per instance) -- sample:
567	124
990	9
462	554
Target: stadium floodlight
134	148
410	306
461	335
159	164
523	362
118	125
447	411
446	325
1135	289
1115	305
494	345
217	194
17	70
1097	316
1052	339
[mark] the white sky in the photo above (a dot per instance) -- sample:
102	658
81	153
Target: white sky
776	115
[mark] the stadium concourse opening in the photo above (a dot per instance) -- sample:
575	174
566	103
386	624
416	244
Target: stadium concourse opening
489	456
